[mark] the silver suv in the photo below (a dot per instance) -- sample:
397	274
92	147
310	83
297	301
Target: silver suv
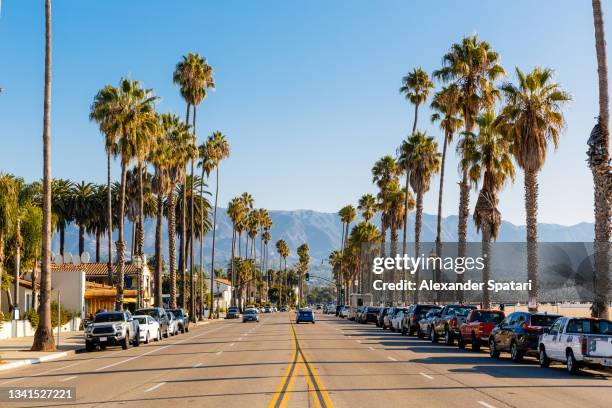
112	329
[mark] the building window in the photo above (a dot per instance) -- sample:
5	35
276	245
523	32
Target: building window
28	302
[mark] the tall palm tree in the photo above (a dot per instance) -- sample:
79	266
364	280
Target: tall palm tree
421	155
60	207
490	159
533	118
82	197
367	206
474	67
43	338
385	171
247	202
97	219
236	212
599	162
416	86
9	195
347	216
304	260
362	236
216	149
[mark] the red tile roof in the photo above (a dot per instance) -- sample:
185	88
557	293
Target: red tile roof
93	269
223	281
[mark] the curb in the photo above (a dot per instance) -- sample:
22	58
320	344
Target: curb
31	361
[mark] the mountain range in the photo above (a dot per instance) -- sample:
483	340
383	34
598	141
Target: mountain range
322	232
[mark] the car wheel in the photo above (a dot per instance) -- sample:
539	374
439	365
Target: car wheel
419	333
515	353
544	360
313	322
102	346
404	331
125	343
448	337
187	329
89	346
475	343
460	341
493	352
433	335
411	331
572	364
137	339
166	334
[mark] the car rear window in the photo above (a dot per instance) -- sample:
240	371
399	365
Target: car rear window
543	320
141	320
305	313
589	326
422	310
488	317
460	310
373	310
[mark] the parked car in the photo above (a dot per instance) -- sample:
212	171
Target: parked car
159	314
284	309
250	315
424	329
446	322
183	319
112	329
232	313
344	311
519	333
369	314
338	309
353	312
412	316
267	309
149	328
381	316
386	324
304	315
173	324
396	321
577	342
478	326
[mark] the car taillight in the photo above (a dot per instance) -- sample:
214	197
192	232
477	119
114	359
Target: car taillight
583	344
414	318
453	321
527	327
481	328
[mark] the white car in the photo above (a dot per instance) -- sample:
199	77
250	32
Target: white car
396	321
149	328
173	324
344	312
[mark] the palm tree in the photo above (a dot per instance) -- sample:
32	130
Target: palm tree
97	219
473	67
490	158
420	153
347	216
236	212
363	235
283	252
9	194
447	105
43	338
599	162
367	206
416	86
60	207
194	76
385	171
533	118
82	197
216	149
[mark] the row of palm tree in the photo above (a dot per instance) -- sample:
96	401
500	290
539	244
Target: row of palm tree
529	120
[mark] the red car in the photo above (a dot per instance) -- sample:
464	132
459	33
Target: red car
478	327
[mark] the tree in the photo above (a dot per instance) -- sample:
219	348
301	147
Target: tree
347	216
367	206
490	159
363	236
473	67
385	171
533	118
283	252
43	338
420	155
237	212
303	261
416	86
599	162
82	197
60	207
9	196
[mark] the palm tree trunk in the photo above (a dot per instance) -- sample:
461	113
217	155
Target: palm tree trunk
159	261
17	272
192	305
81	239
464	212
120	242
109	215
98	238
172	243
183	263
141	217
233	277
43	338
406	205
486	271
602	177
416	116
62	232
417	237
531	209
440	192
212	269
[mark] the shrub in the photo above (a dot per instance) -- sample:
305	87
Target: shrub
32	317
65	315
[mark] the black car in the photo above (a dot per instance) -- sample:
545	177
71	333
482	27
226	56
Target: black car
369	315
415	313
519	334
232	313
380	320
159	314
338	308
183	319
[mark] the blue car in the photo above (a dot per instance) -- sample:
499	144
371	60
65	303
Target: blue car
305	315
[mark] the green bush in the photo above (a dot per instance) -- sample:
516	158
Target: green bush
65	315
32	317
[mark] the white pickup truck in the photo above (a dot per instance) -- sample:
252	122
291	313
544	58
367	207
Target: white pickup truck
577	342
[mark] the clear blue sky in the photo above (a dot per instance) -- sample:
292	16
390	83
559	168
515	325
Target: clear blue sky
307	91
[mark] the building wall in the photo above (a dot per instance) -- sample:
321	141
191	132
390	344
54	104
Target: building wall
71	287
25	294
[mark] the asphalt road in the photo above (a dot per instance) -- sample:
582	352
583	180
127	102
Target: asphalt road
332	363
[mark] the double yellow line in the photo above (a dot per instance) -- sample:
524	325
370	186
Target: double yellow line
300	362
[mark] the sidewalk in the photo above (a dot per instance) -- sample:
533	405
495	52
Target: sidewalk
15	352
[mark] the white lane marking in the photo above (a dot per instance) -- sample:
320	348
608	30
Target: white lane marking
10	381
239	338
197	365
155	387
371	348
68	378
484	404
219	352
232	345
426	376
358	341
391	358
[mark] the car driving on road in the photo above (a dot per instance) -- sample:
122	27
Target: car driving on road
304	316
519	334
149	328
577	342
250	315
232	313
477	327
112	329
